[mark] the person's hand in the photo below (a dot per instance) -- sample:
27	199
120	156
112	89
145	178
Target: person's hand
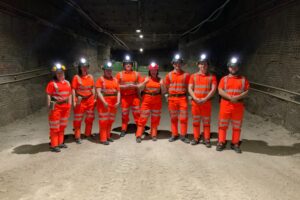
161	82
167	97
117	104
131	86
74	104
105	104
203	100
233	99
146	79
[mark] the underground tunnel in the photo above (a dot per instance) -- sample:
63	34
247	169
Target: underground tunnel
148	99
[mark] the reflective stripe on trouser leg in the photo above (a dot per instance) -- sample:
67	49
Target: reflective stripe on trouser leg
196	126
143	117
236	122
136	113
206	127
54	125
78	116
109	125
125	118
174	121
89	121
196	121
155	118
183	122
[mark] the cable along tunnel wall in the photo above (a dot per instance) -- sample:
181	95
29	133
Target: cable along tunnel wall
268	45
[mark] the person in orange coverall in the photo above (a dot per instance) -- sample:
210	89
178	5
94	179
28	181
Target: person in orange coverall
233	88
176	83
59	103
152	89
130	96
202	87
83	100
108	92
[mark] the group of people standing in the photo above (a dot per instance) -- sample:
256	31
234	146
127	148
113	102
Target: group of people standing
143	96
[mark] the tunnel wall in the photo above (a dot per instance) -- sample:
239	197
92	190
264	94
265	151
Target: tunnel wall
269	47
26	45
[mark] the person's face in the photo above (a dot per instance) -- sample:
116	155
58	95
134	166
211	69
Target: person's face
128	66
177	65
233	70
60	75
108	72
153	73
84	69
203	66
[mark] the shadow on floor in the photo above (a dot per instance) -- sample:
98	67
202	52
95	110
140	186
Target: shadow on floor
252	146
45	147
130	129
262	147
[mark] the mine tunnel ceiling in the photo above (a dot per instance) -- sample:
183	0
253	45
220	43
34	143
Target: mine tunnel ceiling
161	22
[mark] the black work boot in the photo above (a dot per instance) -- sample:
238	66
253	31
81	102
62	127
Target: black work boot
173	138
220	147
123	133
207	143
78	141
236	148
55	149
110	140
63	146
104	143
138	140
194	142
185	139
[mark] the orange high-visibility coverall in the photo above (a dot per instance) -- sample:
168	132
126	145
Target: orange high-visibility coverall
107	115
83	86
60	92
129	97
202	85
232	111
151	104
176	83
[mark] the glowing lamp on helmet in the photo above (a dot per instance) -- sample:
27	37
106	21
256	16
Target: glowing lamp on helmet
83	60
234	60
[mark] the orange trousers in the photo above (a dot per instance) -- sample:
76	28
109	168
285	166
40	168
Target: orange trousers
201	112
107	117
127	102
58	120
178	109
230	112
151	105
86	106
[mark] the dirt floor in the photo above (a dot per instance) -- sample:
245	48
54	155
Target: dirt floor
268	168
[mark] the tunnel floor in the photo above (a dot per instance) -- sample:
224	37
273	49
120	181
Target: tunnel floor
268	168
